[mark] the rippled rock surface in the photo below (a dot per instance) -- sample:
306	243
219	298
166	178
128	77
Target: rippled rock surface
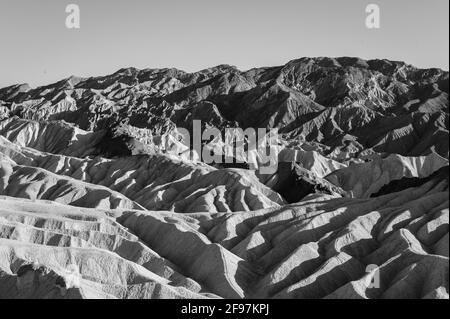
99	199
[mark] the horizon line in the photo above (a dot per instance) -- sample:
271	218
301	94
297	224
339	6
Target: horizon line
243	70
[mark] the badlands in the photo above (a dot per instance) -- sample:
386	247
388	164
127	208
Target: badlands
100	198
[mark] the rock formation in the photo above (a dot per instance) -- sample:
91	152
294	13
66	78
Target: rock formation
101	198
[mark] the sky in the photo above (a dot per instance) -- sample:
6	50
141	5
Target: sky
37	48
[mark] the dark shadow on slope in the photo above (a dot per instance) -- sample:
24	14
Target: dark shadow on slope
295	183
409	182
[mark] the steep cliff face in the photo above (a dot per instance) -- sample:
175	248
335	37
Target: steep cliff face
100	196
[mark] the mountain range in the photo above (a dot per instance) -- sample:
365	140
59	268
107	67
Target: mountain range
100	198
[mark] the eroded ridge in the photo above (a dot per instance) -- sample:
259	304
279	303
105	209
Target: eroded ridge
99	198
318	248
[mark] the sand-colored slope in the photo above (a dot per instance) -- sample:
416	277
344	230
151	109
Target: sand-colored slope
322	247
155	182
363	180
85	249
55	137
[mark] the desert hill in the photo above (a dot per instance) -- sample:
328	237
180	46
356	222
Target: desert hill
101	198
